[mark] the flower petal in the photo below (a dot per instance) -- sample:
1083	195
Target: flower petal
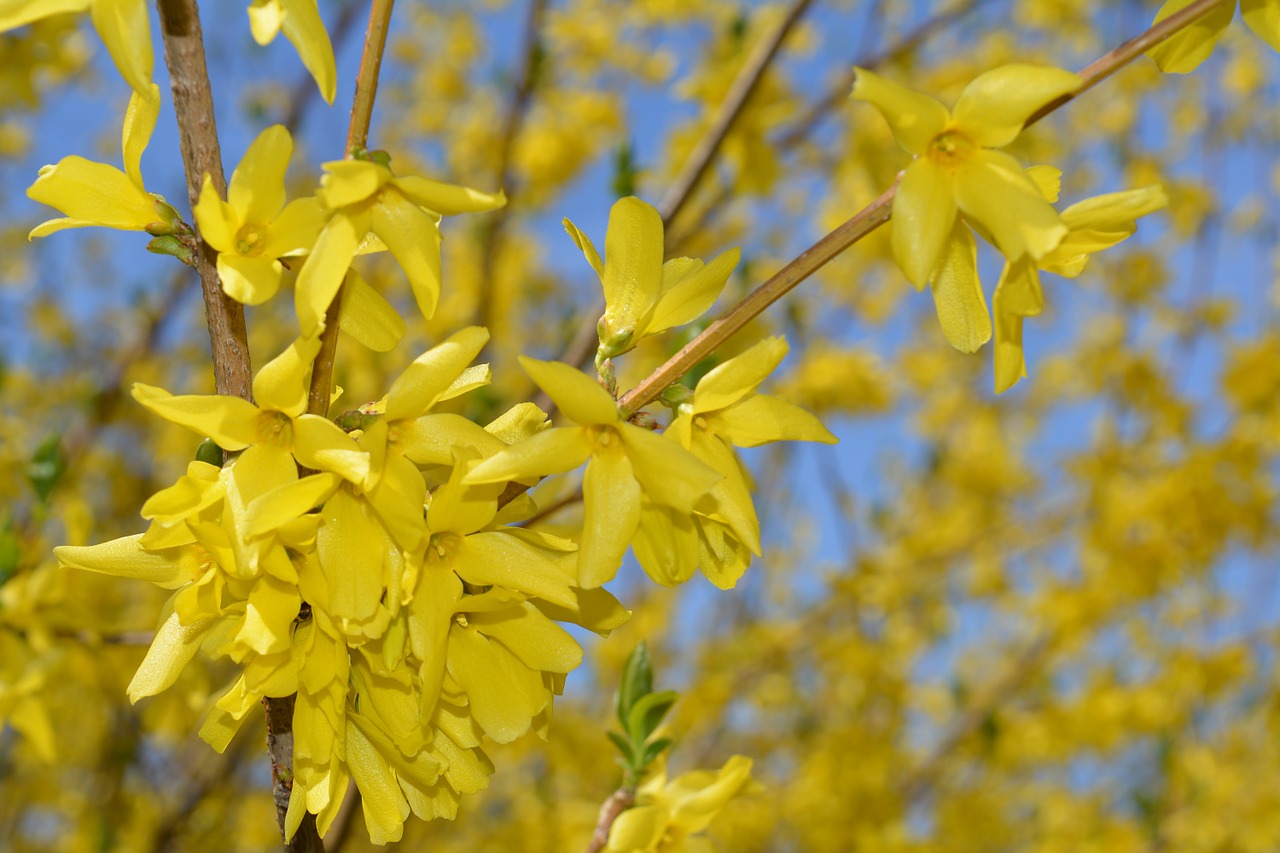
730	381
448	199
914	118
581	398
611	503
670	474
993	108
957	293
424	381
583	242
230	421
760	419
302	26
690	294
216	220
171	650
993	189
498	559
551	451
320	444
90	193
256	191
632	275
124	558
325	267
139	123
368	317
1010	362
413	237
924	209
1263	17
125	29
1185	50
295	229
281	384
249	281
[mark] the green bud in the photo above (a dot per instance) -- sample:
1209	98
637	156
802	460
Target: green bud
175	246
46	466
168	221
209	452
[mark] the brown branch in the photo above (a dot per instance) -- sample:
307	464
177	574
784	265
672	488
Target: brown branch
869	219
198	139
731	108
619	801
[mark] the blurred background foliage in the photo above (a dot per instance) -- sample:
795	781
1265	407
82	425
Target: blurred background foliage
1041	621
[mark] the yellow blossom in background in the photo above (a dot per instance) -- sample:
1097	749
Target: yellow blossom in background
643	295
301	23
254	228
624	459
122	25
669	816
92	193
362	197
956	171
1185	50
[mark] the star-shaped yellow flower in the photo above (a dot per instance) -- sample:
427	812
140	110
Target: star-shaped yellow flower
255	227
92	193
122	25
300	20
624	460
1186	49
363	197
957	170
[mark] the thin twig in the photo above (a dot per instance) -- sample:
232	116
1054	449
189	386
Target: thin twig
869	219
198	139
748	79
619	801
512	123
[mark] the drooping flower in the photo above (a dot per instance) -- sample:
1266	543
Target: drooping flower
254	228
644	296
92	193
1186	49
957	171
724	412
624	461
669	816
1093	225
363	197
122	25
301	23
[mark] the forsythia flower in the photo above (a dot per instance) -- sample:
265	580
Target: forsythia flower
122	25
279	423
957	171
668	816
362	197
300	20
643	295
725	412
1093	225
97	194
1186	49
255	227
626	460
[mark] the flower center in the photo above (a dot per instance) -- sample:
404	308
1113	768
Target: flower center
275	429
602	437
951	148
250	240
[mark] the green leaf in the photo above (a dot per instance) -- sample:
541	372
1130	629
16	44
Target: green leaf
647	713
653	750
624	746
46	466
637	681
209	452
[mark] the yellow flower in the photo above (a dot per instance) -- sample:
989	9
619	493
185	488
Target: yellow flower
643	295
122	25
723	412
256	227
625	459
1093	225
1186	49
957	171
300	20
668	816
363	197
92	193
279	422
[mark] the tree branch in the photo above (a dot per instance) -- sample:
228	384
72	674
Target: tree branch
619	801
